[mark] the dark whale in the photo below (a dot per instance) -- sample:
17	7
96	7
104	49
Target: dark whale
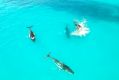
87	8
67	31
31	34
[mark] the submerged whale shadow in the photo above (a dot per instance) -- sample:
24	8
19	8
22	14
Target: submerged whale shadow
92	9
89	8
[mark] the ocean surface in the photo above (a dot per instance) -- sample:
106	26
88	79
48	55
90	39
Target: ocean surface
93	57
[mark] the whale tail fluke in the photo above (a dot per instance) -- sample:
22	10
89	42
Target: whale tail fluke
29	27
48	55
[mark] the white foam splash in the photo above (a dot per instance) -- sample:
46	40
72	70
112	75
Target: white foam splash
83	31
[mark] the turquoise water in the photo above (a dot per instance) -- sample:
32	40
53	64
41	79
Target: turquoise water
94	57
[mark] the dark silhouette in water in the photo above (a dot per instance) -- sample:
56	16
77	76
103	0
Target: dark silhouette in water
61	65
87	8
31	34
67	31
84	8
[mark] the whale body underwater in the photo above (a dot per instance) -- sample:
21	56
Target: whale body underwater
61	65
93	9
